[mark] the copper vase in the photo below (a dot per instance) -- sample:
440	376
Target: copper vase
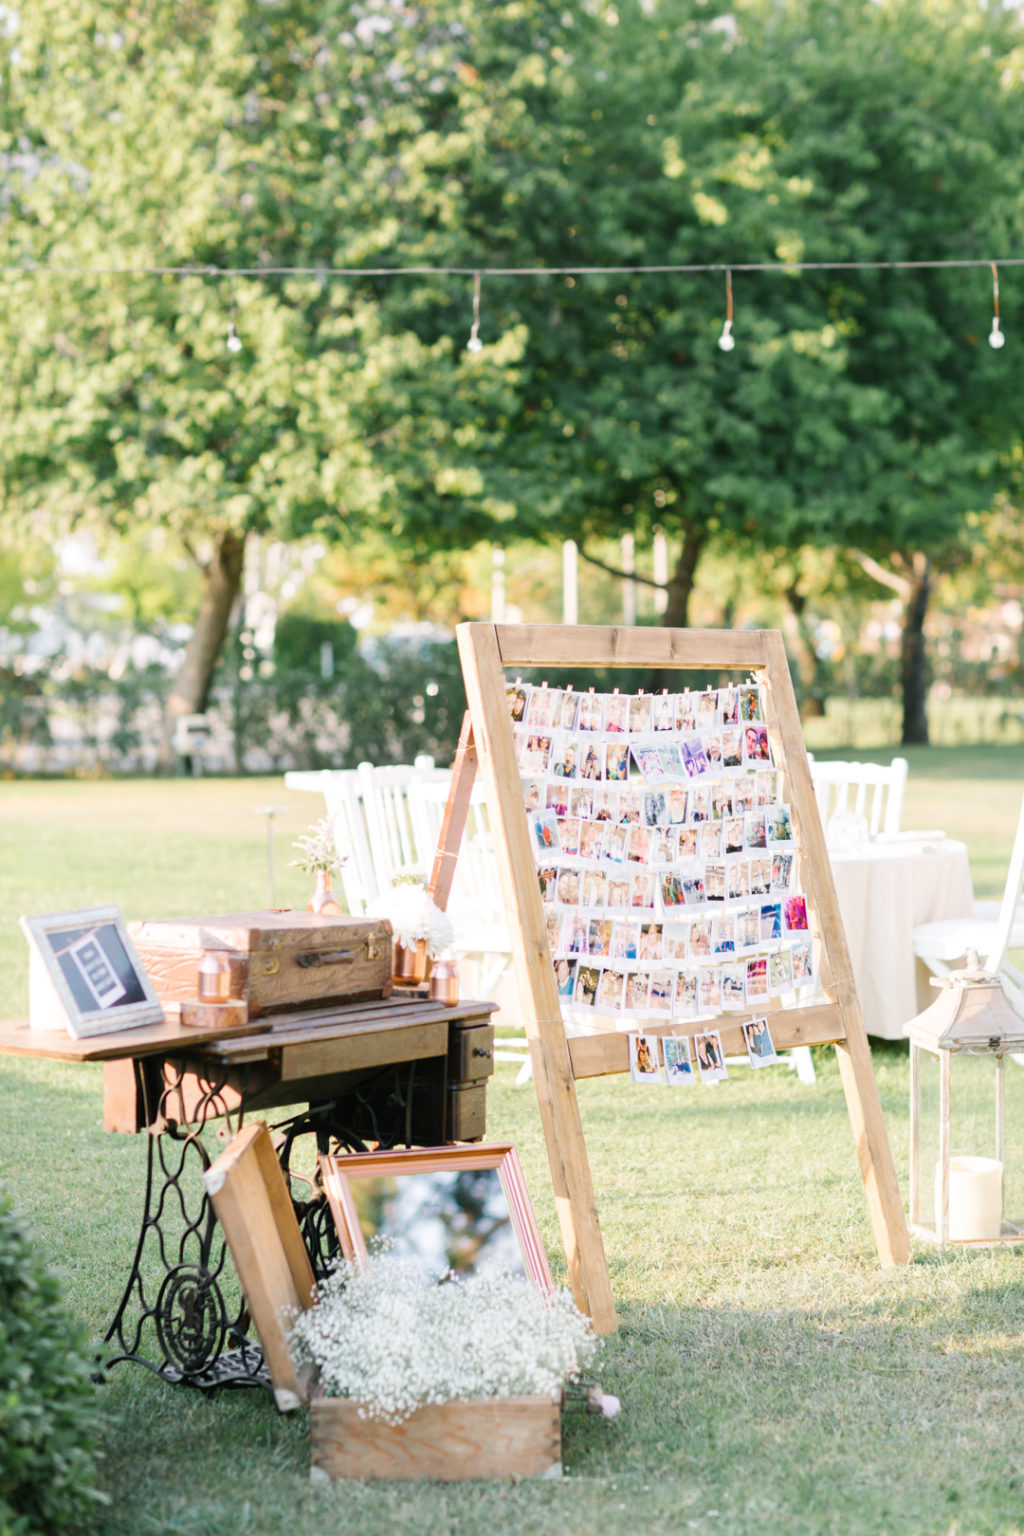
323	899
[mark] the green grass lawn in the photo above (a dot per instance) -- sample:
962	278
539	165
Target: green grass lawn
773	1377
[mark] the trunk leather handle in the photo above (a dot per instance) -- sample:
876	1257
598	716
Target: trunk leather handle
315	957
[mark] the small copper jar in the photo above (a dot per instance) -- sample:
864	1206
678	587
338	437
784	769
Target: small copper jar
444	981
214	976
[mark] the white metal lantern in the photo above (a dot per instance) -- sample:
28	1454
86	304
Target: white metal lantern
978	1165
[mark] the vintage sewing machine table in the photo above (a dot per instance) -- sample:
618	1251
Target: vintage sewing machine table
395	1071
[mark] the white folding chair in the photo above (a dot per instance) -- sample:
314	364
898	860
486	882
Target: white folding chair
993	929
874	791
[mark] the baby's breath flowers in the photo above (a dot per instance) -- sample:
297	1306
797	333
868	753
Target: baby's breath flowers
318	848
392	1339
414	916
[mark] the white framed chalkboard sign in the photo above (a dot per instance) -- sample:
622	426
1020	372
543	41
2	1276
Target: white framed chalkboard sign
85	974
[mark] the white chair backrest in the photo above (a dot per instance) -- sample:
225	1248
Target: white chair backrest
872	790
1008	905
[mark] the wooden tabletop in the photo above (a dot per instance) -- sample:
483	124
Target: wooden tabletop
250	1040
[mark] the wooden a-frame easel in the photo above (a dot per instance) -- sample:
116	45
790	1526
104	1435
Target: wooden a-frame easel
487	742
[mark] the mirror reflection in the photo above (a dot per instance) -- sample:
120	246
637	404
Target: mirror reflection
454	1219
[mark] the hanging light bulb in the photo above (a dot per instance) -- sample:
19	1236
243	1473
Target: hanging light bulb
996	338
727	340
474	344
234	341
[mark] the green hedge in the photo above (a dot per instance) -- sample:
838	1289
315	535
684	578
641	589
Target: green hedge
47	1401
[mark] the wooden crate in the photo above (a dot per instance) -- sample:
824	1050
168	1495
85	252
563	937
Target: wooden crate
483	1437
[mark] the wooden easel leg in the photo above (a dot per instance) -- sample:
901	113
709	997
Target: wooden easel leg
871	1138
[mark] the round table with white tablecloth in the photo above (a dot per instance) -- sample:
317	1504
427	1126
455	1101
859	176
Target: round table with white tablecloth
886	888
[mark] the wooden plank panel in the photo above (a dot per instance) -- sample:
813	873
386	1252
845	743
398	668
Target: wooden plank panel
603	1054
595	645
350	1052
542	1014
484	1437
249	1194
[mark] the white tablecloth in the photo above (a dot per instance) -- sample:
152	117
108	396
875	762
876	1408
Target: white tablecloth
885	889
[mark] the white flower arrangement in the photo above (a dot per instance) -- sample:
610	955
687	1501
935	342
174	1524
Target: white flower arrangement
414	916
318	848
390	1337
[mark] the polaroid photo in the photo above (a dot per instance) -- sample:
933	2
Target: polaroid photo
663	715
616	761
760	876
638	849
782	872
545	833
771	921
553	927
663	846
616	713
543	705
536	752
757	979
737	878
707	708
605	806
686	844
661	990
709	989
624	940
749	703
686	712
732	748
610	991
648	763
639	717
796	914
733	837
721	799
569	835
592	839
714	882
780	973
655	808
533	794
595	888
676	938
678	1066
685	1003
615	840
557	799
581	801
728	706
566	719
590	712
743	793
635	994
573	939
592	761
803	964
700	938
755	834
565	977
748	927
766	786
644	1066
673	766
672	894
567	887
779	825
709	840
619	889
757	1038
643	890
709	1056
693	891
631	799
700	803
756	747
694	761
565	761
587	979
517	696
734	985
599	936
711	741
723	934
675	802
651	944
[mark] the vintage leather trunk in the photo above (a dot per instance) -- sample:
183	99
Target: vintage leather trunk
278	960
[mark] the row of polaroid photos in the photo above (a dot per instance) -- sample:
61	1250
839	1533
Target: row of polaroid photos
601	892
633	804
736	932
661	844
596	760
705	990
678	1061
541	708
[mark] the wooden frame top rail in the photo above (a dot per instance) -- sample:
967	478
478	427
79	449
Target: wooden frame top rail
546	645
